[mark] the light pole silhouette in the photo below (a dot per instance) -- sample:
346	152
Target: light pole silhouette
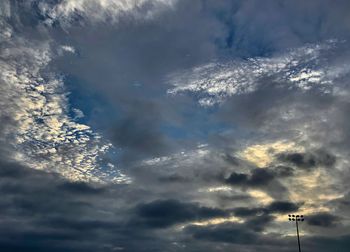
296	218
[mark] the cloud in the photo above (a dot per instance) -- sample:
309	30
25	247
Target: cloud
164	213
283	171
274	207
203	115
139	134
282	207
325	243
42	211
309	160
300	68
229	233
79	188
67	11
68	48
44	135
258	177
259	223
31	201
325	220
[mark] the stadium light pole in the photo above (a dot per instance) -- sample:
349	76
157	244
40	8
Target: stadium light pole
296	218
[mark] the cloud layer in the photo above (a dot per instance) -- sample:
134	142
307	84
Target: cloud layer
174	125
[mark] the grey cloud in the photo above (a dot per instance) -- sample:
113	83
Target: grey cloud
230	233
79	188
264	179
237	178
283	171
299	159
128	61
309	160
282	207
164	213
258	223
247	212
43	211
274	207
259	28
174	178
325	220
139	132
231	159
323	243
258	177
248	233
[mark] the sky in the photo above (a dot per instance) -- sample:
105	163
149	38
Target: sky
174	125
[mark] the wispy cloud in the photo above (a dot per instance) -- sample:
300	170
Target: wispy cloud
102	10
302	68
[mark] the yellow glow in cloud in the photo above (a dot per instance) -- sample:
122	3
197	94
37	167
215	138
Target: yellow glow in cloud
216	221
314	189
262	155
261	196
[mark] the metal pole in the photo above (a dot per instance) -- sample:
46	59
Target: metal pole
296	222
296	218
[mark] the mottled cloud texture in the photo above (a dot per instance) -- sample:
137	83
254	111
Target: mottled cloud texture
173	125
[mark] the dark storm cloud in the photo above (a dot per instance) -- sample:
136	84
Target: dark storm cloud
164	213
42	212
45	212
283	171
237	178
323	243
79	188
258	177
11	170
230	233
31	197
240	234
309	160
265	179
323	220
282	207
274	207
299	159
258	223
